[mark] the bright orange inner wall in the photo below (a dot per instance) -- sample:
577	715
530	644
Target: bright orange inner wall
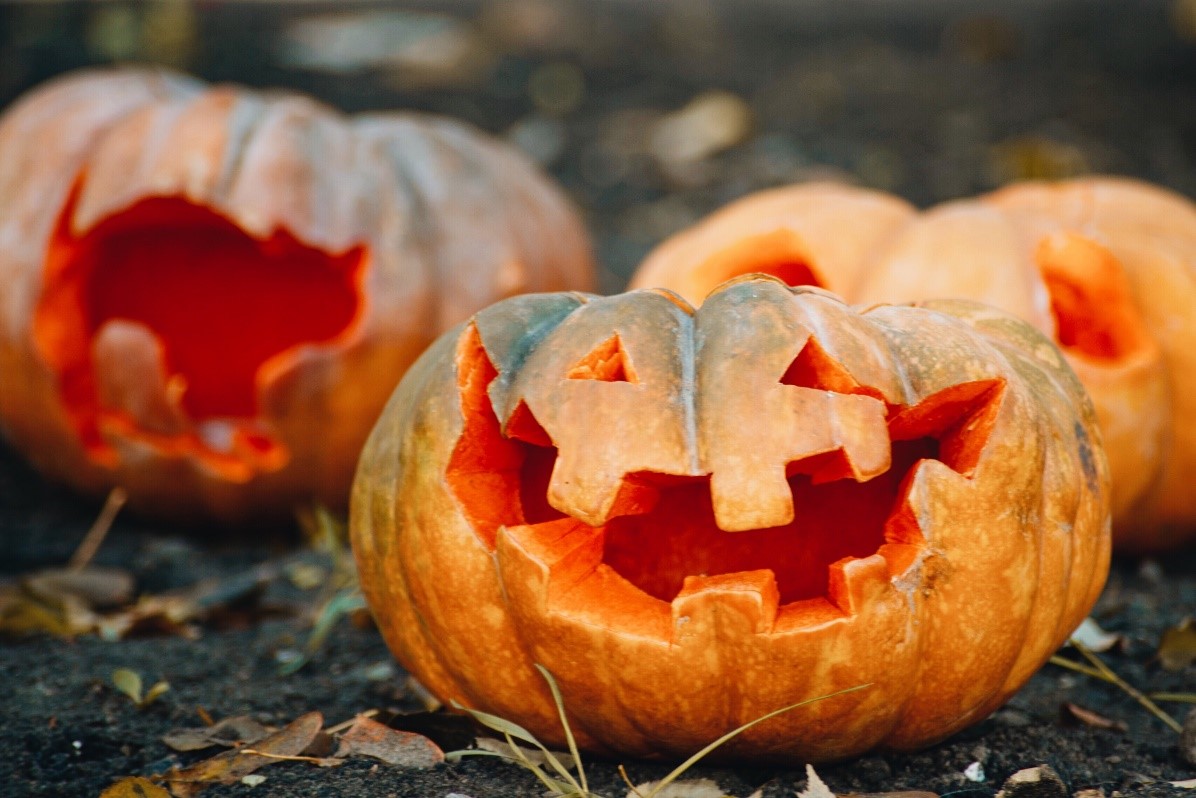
220	302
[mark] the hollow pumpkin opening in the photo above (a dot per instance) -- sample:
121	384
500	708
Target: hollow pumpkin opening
662	533
219	304
1092	302
778	253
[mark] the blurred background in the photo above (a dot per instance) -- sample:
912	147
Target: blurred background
653	112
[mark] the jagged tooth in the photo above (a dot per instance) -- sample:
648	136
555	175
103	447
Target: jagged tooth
727	606
745	500
854	582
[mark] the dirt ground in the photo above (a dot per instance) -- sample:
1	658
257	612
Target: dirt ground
946	101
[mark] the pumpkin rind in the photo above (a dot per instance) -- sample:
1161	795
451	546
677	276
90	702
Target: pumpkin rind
1109	260
981	574
436	219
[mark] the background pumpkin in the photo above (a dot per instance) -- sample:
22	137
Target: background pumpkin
916	499
1105	266
208	293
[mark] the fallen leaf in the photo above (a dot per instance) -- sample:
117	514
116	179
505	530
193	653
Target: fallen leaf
373	739
228	732
97	586
129	683
135	787
533	755
1077	713
684	788
1177	649
252	780
231	766
1037	782
1187	784
1091	636
815	786
450	731
22	613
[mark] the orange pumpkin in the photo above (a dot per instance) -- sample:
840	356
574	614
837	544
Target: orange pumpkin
208	293
1105	266
693	518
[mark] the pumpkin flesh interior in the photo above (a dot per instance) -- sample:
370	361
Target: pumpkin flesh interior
1092	302
220	304
778	253
662	534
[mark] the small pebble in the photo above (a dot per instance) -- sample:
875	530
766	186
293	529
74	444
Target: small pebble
974	772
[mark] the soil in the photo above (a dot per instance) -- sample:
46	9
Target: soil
950	99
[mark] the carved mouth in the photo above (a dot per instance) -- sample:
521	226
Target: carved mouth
661	544
193	310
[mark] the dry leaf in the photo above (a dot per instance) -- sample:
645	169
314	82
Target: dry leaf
533	755
815	786
1075	712
1177	649
451	732
1037	782
96	586
231	766
373	739
228	732
1187	784
129	683
135	787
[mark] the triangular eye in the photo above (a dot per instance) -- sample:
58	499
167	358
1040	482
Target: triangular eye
814	368
607	362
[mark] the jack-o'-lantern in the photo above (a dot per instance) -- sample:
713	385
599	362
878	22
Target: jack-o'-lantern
693	518
1107	267
207	293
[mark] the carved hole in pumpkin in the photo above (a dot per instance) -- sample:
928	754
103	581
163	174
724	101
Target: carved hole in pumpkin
814	368
662	528
219	305
778	253
1091	299
608	362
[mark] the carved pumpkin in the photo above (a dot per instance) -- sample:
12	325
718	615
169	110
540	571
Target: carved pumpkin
695	518
1107	267
208	293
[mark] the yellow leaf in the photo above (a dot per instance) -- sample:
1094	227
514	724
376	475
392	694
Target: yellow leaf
129	683
134	787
